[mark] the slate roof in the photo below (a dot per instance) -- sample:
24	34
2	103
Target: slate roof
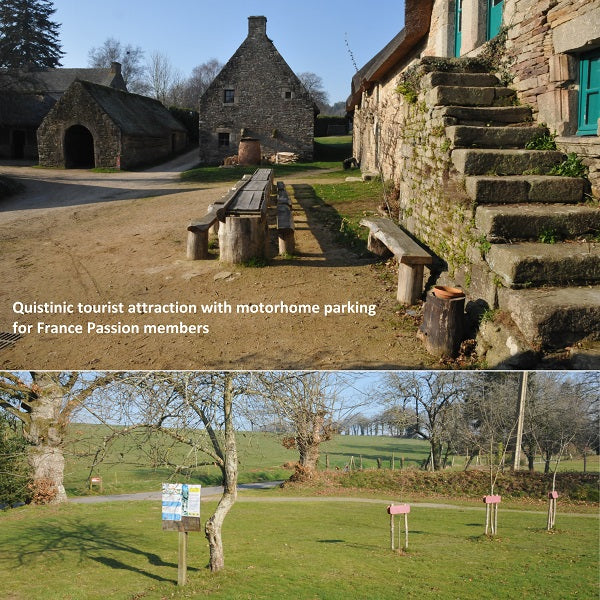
24	110
55	82
133	114
26	97
417	18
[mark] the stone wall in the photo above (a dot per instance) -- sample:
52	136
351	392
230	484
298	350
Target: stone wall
402	137
270	104
76	107
544	38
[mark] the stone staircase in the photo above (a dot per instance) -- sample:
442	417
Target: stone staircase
550	290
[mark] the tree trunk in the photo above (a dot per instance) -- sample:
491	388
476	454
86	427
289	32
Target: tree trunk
436	454
547	460
46	432
229	469
308	439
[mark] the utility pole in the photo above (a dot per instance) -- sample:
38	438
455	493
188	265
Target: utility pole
520	419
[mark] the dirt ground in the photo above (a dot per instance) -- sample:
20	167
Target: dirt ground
104	239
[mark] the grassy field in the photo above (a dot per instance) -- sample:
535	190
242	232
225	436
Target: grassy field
127	467
261	458
326	549
329	153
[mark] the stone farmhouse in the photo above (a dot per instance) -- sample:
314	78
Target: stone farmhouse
445	111
27	97
94	125
256	95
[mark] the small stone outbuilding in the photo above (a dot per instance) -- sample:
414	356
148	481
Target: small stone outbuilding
26	97
256	95
98	126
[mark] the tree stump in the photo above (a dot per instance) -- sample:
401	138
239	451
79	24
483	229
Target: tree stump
197	244
242	238
443	325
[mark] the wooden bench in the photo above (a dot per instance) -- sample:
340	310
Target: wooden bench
198	230
384	236
285	221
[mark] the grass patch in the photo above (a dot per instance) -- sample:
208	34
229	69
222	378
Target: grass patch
230	174
328	154
296	549
333	148
348	202
106	170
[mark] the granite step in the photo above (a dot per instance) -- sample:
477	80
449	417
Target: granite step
450	95
435	78
512	222
525	188
505	162
483	115
553	317
527	264
468	136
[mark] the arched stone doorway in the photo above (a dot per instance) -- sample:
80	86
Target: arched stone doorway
79	148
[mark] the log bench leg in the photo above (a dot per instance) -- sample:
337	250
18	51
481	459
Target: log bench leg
197	245
287	242
242	238
377	247
410	283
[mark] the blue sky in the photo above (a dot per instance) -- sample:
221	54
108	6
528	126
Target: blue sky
309	34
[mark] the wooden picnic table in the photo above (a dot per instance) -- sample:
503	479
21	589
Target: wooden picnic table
243	235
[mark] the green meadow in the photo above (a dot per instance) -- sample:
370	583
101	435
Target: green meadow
278	547
127	467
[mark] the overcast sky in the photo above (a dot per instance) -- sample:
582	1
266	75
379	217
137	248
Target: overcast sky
308	33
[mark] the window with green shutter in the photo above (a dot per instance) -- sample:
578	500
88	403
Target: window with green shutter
458	27
494	21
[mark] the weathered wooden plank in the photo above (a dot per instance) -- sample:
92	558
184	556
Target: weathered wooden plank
263	174
404	248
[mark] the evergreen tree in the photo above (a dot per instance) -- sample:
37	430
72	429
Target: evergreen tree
15	474
28	38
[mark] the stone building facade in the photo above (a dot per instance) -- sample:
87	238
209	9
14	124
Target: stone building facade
445	112
26	97
256	95
98	126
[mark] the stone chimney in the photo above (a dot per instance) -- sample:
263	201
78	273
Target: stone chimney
115	67
257	26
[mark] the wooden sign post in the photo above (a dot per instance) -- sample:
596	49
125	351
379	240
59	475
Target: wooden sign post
399	509
96	480
491	514
552	497
181	513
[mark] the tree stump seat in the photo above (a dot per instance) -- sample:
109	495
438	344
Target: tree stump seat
285	221
385	237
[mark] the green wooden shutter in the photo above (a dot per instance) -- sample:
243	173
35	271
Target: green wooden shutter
494	21
458	27
589	93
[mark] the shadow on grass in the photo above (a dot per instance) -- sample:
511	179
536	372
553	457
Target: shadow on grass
331	231
76	538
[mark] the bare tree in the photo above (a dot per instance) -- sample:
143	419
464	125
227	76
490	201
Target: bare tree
557	413
430	396
45	402
313	404
161	77
314	86
130	57
194	411
199	80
